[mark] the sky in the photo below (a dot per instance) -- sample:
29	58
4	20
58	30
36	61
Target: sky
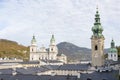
69	20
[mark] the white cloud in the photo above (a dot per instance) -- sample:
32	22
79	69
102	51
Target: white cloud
69	20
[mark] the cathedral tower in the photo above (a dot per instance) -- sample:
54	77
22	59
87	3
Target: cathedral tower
53	50
97	42
33	47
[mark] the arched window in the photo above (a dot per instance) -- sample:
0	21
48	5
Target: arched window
114	55
96	48
32	49
52	49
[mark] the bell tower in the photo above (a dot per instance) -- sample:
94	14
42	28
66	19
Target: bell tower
53	50
97	42
33	47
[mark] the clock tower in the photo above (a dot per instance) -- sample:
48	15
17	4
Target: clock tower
97	42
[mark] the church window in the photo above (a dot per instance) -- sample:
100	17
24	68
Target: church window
32	49
114	55
96	48
52	49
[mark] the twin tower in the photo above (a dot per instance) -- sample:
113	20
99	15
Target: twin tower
97	42
42	53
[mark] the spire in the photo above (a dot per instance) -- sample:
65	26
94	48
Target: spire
97	17
97	28
33	41
112	44
52	41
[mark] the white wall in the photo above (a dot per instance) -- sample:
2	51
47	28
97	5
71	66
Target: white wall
113	56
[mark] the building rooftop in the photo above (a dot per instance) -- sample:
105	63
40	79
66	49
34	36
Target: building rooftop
74	67
35	77
28	62
100	76
68	67
51	61
6	71
29	73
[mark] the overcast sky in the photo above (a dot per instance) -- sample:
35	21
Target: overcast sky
68	20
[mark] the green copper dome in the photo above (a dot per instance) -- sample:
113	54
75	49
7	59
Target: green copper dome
113	49
97	28
52	39
33	40
112	44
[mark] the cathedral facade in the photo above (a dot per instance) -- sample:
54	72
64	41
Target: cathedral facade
97	42
37	54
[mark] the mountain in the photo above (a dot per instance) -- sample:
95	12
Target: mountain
74	52
11	49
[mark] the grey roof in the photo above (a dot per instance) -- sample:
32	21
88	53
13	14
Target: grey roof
51	61
100	76
29	73
34	77
74	67
67	67
111	62
51	67
34	70
24	71
28	70
30	62
31	70
27	62
6	71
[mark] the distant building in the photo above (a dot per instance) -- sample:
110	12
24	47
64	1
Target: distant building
97	42
51	53
112	55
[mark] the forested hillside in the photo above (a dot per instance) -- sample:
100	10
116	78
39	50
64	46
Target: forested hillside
11	49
